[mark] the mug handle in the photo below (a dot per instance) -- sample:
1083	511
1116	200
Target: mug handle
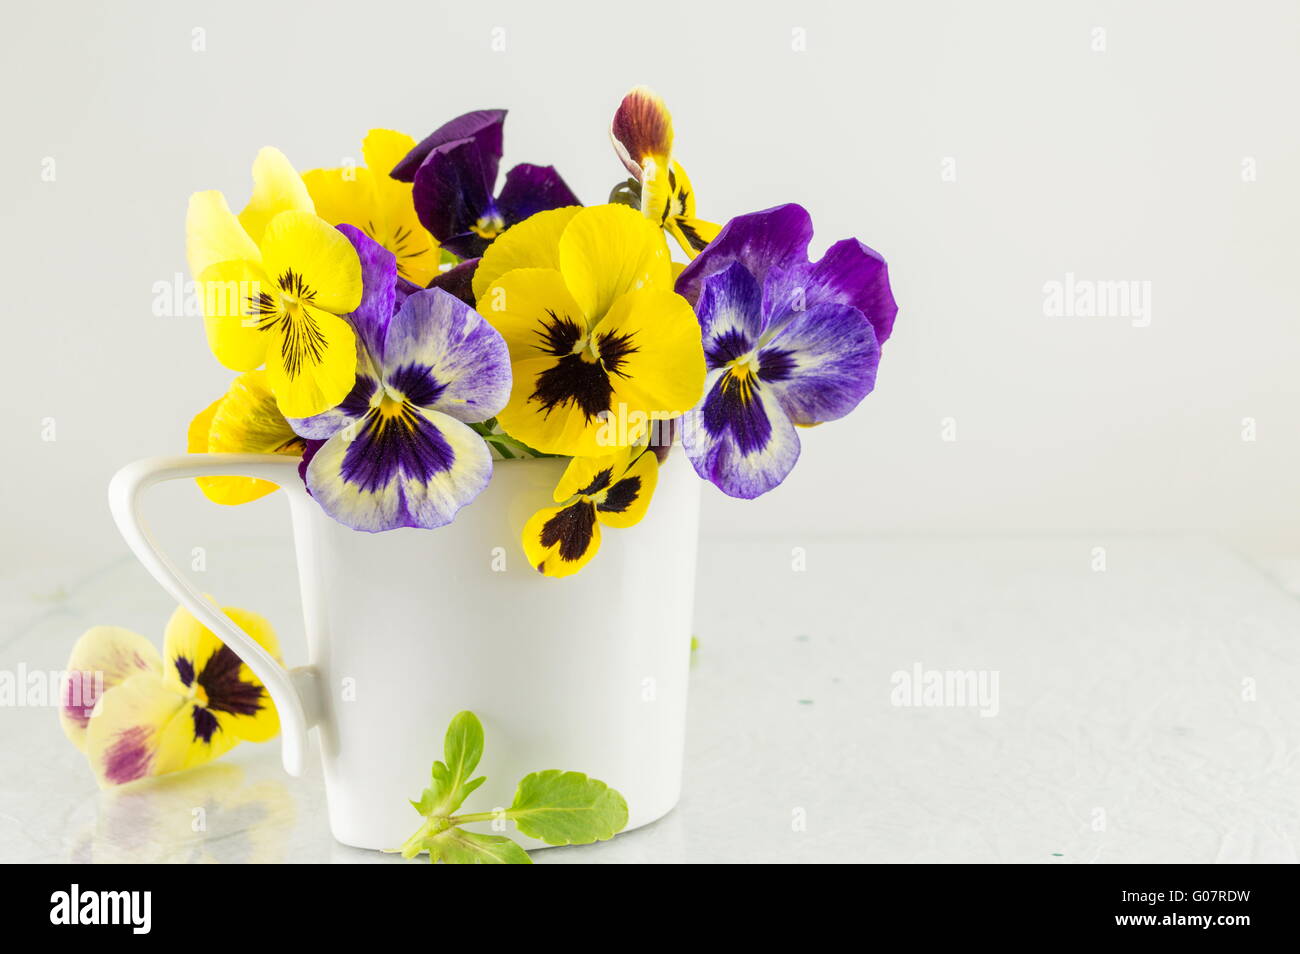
288	688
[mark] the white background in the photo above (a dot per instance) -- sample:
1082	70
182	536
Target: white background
1122	164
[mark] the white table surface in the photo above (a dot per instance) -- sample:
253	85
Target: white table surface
1120	701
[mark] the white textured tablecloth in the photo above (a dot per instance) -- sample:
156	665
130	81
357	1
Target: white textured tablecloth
1147	712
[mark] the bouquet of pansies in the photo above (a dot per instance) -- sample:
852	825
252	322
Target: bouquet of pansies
403	325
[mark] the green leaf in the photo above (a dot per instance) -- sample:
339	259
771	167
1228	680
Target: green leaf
459	847
567	808
462	749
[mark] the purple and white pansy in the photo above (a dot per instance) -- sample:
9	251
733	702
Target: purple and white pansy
398	451
786	342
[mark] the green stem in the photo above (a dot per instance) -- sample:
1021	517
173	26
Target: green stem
477	817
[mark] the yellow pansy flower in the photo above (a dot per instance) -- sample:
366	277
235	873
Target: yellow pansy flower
158	714
599	343
244	420
381	206
613	490
642	133
273	282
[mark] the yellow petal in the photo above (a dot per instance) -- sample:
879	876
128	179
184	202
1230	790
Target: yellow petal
312	261
312	363
532	243
246	420
104	657
398	227
560	541
193	736
277	188
229	292
663	374
692	234
383	149
626	500
213	234
345	195
565	429
125	736
523	304
607	251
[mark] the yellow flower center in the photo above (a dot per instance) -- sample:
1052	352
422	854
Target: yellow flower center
744	367
200	695
489	226
390	406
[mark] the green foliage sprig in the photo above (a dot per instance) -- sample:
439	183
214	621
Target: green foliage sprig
559	808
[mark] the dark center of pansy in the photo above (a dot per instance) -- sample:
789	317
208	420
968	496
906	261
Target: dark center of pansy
733	405
294	289
395	440
218	688
581	373
301	337
226	691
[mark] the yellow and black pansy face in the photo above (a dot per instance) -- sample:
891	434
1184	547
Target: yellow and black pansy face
613	490
599	343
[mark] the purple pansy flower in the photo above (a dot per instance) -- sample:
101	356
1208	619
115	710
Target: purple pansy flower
786	342
398	451
454	171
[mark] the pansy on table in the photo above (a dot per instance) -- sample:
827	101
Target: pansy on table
613	490
373	201
273	282
600	344
787	342
642	134
161	714
454	171
398	450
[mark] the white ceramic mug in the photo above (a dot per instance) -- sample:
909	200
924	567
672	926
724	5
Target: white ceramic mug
408	627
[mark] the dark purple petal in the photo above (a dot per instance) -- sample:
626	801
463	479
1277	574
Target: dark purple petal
452	191
405	288
466	245
821	363
378	291
849	273
531	189
458	280
309	450
730	314
484	125
760	240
